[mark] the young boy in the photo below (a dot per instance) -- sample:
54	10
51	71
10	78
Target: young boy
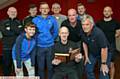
24	51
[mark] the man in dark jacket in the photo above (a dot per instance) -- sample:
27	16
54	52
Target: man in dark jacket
10	28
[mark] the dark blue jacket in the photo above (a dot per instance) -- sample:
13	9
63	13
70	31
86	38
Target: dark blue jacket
24	49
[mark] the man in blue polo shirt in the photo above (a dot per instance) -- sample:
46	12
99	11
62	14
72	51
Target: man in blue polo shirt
47	32
96	48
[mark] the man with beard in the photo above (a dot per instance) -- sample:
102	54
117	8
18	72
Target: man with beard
109	26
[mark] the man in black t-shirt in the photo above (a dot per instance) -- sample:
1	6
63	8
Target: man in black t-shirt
63	69
75	29
109	26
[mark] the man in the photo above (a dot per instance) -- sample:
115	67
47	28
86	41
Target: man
32	13
10	28
75	29
96	48
109	26
23	51
56	9
65	69
81	11
47	32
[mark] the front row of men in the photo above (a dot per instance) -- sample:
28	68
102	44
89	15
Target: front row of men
94	48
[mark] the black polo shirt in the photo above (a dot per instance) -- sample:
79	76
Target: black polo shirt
95	41
75	32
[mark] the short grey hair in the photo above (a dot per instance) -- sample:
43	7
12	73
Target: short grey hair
56	4
88	17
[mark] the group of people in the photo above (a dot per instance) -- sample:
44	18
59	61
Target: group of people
34	42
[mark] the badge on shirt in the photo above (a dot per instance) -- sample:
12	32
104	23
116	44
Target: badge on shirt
7	28
19	26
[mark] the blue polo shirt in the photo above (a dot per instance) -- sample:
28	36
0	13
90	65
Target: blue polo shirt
47	30
95	41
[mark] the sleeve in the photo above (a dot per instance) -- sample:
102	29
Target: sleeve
35	20
102	40
3	28
117	25
54	31
18	50
33	56
63	23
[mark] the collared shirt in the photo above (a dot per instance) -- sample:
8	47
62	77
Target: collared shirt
47	30
95	41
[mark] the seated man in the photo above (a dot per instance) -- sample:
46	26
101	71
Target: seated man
63	69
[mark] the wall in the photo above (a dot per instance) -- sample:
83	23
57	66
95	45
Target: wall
95	9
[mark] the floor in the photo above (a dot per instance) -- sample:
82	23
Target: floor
117	65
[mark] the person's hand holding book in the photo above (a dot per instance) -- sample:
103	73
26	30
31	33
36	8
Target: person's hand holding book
78	57
56	61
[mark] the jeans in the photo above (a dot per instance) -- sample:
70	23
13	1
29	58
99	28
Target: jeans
30	69
45	56
90	67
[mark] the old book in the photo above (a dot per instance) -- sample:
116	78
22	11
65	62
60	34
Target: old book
62	57
67	56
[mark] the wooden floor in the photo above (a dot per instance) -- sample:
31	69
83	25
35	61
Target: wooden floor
117	65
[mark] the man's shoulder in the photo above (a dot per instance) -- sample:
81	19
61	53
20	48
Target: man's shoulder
20	37
98	32
65	22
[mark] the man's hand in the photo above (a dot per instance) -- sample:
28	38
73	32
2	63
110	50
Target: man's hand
78	57
104	68
56	61
87	61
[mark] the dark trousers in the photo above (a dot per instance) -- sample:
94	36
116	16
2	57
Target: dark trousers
80	68
90	67
45	56
7	63
72	74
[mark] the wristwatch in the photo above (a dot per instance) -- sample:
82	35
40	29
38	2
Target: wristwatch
103	62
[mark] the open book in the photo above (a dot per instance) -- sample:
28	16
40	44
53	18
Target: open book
67	56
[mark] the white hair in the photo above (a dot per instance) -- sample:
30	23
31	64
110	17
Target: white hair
88	17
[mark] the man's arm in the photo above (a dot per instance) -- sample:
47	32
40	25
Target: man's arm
104	52
104	67
86	53
55	28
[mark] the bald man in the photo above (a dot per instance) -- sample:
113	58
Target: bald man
109	26
75	29
10	28
63	69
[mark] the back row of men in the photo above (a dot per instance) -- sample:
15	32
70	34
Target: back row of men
76	31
